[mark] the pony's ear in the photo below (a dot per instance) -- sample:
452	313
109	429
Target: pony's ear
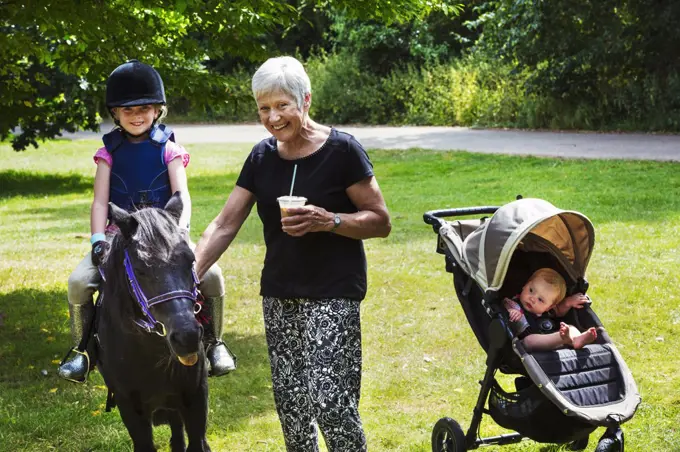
125	222
175	206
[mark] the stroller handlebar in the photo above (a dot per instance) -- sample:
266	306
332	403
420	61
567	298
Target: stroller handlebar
434	217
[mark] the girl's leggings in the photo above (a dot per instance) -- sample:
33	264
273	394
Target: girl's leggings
315	356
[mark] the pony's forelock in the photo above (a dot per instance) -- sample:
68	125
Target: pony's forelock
156	236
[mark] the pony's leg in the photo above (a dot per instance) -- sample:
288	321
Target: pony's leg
195	416
177	443
174	420
138	425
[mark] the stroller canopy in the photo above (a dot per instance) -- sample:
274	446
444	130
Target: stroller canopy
533	225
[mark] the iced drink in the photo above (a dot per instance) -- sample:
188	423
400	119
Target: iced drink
286	202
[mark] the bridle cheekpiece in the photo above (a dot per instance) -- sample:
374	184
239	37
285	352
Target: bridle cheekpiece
149	322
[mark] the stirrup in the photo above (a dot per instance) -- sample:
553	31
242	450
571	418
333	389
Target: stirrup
225	370
66	375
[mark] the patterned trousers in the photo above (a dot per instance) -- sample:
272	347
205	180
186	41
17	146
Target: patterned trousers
315	356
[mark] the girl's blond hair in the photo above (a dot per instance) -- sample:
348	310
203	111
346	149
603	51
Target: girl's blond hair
162	113
554	279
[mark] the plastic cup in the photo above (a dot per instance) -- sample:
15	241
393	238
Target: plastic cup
286	202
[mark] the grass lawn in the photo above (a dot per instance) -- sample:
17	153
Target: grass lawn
421	359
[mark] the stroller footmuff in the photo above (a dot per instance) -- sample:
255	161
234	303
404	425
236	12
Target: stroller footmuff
589	377
560	396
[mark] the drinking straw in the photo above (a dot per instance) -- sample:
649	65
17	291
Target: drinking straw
293	181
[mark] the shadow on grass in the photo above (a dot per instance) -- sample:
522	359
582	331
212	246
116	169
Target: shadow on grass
27	183
42	412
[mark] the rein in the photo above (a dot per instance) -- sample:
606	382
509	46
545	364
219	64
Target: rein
149	322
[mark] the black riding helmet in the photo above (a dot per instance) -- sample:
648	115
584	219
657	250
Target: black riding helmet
134	83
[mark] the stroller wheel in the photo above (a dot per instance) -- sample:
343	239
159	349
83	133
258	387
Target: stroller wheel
579	444
611	441
448	436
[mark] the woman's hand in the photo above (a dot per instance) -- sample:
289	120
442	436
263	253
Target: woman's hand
309	218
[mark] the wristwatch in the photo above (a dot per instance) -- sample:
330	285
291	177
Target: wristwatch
336	222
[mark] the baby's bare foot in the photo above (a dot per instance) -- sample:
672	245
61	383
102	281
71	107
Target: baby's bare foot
584	338
564	333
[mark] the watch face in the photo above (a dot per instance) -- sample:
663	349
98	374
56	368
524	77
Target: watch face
336	220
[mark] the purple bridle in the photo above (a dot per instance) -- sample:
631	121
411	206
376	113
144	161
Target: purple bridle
150	323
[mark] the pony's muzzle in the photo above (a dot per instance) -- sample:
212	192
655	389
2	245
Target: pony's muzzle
188	360
186	343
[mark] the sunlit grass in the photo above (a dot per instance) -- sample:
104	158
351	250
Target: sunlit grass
421	359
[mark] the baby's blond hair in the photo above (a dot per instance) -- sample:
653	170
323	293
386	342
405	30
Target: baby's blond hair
555	280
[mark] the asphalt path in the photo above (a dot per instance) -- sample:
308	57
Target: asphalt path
635	146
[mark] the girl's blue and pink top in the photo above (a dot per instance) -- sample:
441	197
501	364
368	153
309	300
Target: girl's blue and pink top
172	151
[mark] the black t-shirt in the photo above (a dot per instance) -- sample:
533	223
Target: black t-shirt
318	264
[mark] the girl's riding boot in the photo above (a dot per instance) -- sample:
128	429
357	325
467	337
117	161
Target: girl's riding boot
221	360
76	364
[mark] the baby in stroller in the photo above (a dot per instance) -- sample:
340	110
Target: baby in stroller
561	394
545	292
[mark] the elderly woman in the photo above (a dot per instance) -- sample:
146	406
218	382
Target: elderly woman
314	274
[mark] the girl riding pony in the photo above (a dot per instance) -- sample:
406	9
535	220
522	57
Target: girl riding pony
139	166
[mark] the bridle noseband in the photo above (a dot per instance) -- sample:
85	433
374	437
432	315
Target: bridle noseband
149	323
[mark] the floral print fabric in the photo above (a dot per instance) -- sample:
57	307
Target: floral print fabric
315	357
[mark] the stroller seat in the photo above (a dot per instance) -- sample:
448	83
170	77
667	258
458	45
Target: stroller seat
586	377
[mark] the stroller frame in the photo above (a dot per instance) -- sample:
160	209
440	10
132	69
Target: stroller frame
447	434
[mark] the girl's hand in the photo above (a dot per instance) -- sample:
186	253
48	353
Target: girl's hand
309	218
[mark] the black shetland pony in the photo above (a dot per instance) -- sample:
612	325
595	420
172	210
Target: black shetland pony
149	347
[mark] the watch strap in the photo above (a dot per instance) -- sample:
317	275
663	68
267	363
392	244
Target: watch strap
336	222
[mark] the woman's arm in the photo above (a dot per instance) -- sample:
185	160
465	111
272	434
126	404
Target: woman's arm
222	230
178	183
371	220
99	212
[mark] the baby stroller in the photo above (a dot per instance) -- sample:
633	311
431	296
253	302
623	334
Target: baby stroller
560	396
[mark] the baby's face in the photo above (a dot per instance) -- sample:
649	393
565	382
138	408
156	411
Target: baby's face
538	296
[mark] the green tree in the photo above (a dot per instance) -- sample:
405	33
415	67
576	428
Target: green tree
617	60
380	48
55	55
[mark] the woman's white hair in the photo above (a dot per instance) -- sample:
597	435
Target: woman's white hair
285	74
